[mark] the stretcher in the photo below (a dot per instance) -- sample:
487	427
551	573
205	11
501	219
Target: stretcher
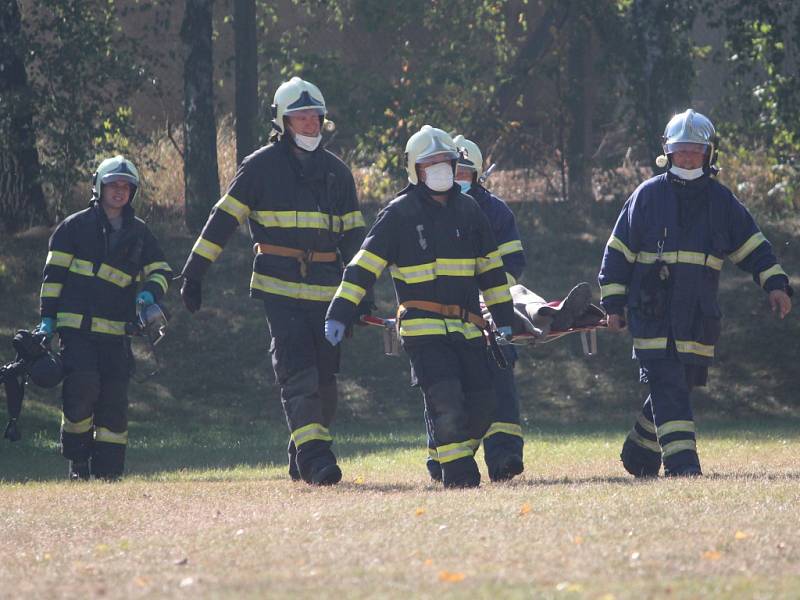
588	333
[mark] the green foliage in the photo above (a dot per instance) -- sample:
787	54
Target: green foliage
83	69
763	97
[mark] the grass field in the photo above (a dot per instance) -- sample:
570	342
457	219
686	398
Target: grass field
208	511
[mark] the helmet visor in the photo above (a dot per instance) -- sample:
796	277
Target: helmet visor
437	147
304	102
686	147
111	177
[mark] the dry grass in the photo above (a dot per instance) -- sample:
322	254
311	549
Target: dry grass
574	526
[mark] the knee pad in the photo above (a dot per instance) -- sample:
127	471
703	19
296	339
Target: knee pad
300	398
79	394
444	401
639	461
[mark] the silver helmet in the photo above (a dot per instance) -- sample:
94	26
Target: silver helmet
688	127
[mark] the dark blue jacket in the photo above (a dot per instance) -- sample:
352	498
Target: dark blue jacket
90	284
504	227
697	224
442	253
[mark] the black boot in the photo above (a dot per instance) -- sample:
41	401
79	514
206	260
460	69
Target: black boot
329	474
434	469
509	467
638	461
79	470
461	473
572	307
683	464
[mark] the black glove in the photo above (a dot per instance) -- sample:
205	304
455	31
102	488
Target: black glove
192	294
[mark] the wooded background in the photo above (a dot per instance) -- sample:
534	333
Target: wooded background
564	89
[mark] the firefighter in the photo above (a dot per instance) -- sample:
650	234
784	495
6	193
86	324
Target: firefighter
660	277
441	251
503	442
89	294
304	220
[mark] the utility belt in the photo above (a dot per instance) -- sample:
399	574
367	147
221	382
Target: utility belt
302	256
454	311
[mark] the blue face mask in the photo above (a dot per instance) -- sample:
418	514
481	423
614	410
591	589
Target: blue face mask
465	186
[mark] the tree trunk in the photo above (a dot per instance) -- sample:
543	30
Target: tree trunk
579	107
244	26
201	179
22	202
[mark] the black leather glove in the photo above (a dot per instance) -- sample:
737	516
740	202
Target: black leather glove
192	294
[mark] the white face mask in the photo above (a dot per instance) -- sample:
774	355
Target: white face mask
439	177
307	142
686	174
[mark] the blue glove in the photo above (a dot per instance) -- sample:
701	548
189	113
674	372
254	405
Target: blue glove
505	331
145	299
47	326
334	331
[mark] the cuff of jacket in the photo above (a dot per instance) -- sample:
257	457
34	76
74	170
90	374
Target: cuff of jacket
777	282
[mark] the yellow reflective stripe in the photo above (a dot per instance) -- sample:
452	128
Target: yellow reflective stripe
687	257
59	259
496	295
103	434
414	327
450	452
714	262
489	262
433	454
51	290
676	426
644	442
76	427
107	326
159	280
82	267
352	220
156	266
65	319
414	273
299	219
369	261
510	247
613	289
743	251
507	428
233	207
679	446
650	343
455	267
468	330
773	270
617	244
645	424
511	279
692	347
112	275
292	289
350	291
206	249
310	432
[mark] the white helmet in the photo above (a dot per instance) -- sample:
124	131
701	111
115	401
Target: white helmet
688	127
116	168
294	95
426	143
471	157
